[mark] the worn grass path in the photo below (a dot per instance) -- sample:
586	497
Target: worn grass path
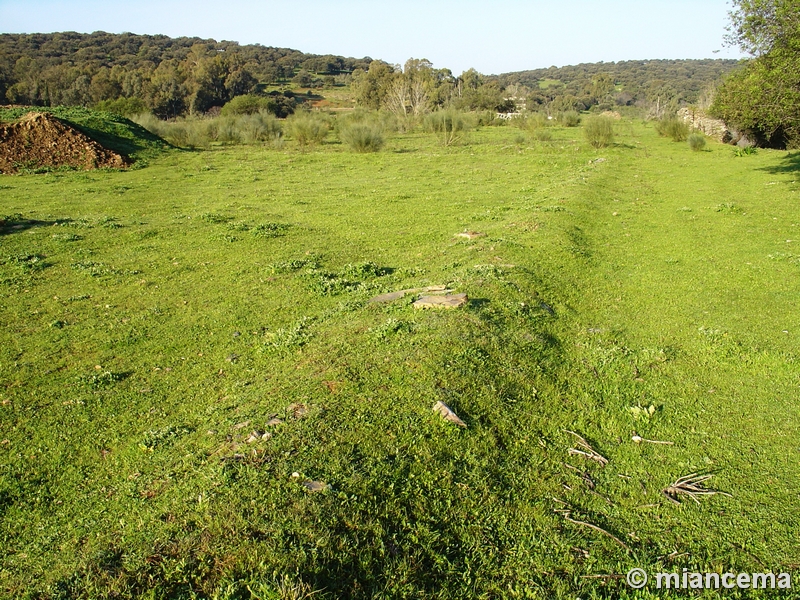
153	320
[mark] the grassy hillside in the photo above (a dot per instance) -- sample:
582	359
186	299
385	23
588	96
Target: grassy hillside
188	348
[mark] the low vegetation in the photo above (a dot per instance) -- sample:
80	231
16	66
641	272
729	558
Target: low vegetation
201	401
228	128
599	131
308	129
697	141
449	126
673	128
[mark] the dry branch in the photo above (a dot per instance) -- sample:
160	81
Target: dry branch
584	449
691	486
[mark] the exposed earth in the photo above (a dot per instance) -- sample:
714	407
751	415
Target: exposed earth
41	140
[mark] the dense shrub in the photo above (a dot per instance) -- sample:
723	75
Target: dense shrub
697	141
543	135
362	137
308	129
531	122
127	107
247	104
673	128
198	132
448	125
489	118
570	118
599	131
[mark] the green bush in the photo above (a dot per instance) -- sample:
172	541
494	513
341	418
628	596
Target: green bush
127	107
449	125
308	129
247	104
745	151
199	132
531	122
599	131
697	141
362	137
570	118
489	118
543	135
673	128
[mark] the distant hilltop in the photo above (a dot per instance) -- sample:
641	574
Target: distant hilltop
175	76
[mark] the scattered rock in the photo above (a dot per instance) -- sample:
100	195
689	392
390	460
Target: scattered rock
470	235
242	425
274	421
713	128
236	334
597	161
447	414
255	436
316	486
445	301
232	358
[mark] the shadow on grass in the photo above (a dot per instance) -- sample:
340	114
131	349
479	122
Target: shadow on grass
142	140
17	224
788	164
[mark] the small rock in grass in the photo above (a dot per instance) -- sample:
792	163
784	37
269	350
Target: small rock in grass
236	334
446	301
274	421
241	425
447	414
255	436
316	486
298	410
470	235
232	358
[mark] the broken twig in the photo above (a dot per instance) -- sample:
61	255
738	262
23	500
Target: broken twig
584	449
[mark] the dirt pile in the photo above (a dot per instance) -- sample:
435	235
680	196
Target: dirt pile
41	140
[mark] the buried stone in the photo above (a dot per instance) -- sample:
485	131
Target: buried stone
446	301
392	296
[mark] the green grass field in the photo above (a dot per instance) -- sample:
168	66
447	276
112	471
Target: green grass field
156	320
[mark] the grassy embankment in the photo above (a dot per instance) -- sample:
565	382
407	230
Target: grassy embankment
153	319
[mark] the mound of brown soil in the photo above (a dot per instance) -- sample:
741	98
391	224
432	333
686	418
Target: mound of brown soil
41	140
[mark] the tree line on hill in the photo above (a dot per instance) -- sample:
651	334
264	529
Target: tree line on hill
168	76
640	83
176	76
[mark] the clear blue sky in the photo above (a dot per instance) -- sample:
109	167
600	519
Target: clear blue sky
510	35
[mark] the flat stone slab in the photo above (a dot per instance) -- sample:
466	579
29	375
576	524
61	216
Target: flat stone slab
316	486
392	296
445	301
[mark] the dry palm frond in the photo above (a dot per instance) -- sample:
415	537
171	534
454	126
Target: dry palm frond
584	449
691	486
